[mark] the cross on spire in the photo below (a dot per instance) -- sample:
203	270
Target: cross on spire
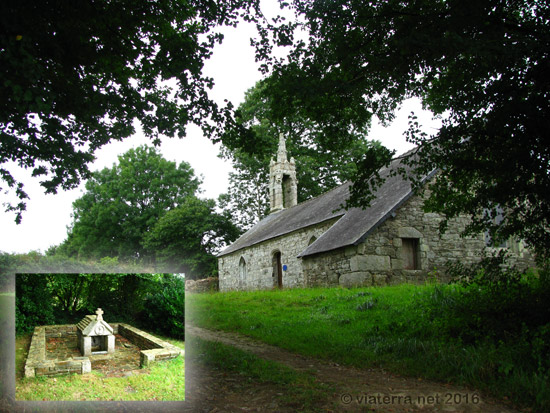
99	313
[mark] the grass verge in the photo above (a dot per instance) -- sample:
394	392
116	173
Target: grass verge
401	328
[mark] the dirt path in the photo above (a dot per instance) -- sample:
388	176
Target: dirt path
357	389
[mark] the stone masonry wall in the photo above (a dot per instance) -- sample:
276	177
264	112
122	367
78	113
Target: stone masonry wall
259	261
202	286
38	365
379	259
140	338
62	330
152	348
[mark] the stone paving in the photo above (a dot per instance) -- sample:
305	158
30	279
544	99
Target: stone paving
61	348
124	361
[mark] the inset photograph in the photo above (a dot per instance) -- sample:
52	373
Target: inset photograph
100	337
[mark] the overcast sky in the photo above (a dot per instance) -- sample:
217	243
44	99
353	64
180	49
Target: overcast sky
234	71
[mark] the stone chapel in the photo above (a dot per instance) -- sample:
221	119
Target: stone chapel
318	243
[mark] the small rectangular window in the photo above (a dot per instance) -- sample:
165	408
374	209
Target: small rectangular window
410	254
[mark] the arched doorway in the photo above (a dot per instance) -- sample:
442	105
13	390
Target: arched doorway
277	269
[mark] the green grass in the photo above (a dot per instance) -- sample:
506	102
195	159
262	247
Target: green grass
163	381
326	323
401	328
22	344
298	390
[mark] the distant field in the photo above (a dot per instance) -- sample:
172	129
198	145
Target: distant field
400	328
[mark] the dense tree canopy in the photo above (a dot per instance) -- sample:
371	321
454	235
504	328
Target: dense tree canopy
121	204
247	195
33	303
483	65
76	74
187	238
253	140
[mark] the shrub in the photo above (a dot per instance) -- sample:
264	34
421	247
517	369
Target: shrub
490	272
33	302
495	306
164	309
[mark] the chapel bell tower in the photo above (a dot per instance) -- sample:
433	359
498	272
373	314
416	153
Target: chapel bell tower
283	186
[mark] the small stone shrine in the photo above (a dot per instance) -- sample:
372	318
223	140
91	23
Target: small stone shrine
94	335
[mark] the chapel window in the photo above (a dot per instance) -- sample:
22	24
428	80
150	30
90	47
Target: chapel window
242	269
411	256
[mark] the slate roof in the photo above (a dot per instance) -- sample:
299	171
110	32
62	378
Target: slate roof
353	225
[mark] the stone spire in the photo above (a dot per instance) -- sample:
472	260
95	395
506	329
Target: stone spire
281	152
283	186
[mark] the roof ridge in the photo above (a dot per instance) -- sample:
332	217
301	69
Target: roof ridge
348	181
312	198
328	205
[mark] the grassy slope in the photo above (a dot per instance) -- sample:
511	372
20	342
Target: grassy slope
367	327
333	323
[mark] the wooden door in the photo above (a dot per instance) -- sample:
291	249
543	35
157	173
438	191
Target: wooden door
410	254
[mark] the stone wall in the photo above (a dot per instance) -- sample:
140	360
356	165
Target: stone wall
37	352
61	330
202	286
140	338
259	274
114	326
379	260
38	365
152	348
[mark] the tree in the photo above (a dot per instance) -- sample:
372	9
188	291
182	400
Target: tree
187	238
33	302
120	295
68	290
55	298
75	75
124	202
247	197
482	65
252	141
164	306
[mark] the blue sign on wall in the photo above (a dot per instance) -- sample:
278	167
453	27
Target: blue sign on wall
284	267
